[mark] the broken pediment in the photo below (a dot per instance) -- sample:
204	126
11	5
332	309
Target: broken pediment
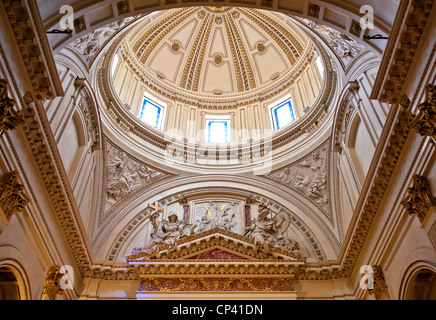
219	245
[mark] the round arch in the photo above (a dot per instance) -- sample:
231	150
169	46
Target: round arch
419	282
17	277
344	18
131	213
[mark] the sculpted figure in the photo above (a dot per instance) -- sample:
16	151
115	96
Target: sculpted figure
166	234
206	223
268	232
264	230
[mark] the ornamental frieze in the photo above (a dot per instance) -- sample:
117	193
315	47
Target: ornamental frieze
216	285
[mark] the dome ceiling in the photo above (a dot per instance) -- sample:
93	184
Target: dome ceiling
217	51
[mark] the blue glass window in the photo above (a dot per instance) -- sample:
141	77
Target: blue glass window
151	113
217	130
283	115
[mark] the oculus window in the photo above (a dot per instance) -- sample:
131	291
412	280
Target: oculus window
152	113
282	114
217	129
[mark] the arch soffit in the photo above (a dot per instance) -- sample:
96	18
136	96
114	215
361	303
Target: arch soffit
132	209
344	19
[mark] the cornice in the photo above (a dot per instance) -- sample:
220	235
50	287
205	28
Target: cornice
44	151
34	50
400	54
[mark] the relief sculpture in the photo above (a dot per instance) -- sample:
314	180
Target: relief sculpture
268	232
308	176
126	175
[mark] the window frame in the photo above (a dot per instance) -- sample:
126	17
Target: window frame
209	119
156	103
273	114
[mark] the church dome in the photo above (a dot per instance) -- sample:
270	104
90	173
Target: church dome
217	51
220	74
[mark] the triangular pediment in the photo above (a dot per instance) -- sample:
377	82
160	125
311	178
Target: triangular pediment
220	245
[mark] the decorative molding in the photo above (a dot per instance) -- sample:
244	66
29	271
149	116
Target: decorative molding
379	287
420	199
9	118
37	132
400	53
425	121
214	284
12	198
32	44
309	177
52	285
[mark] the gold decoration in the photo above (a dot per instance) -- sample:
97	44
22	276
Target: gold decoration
52	283
261	47
420	199
218	59
425	121
11	197
175	47
9	118
379	286
217	285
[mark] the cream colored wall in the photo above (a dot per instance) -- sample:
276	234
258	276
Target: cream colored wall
188	121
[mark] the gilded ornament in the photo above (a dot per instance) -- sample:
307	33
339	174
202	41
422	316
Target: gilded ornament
175	47
9	118
261	47
420	198
11	195
425	121
222	284
52	285
218	59
380	287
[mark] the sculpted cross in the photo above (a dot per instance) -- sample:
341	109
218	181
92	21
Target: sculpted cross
155	206
154	217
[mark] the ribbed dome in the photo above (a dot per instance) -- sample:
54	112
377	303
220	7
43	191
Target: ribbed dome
217	51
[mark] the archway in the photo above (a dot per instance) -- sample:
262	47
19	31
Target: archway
422	285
